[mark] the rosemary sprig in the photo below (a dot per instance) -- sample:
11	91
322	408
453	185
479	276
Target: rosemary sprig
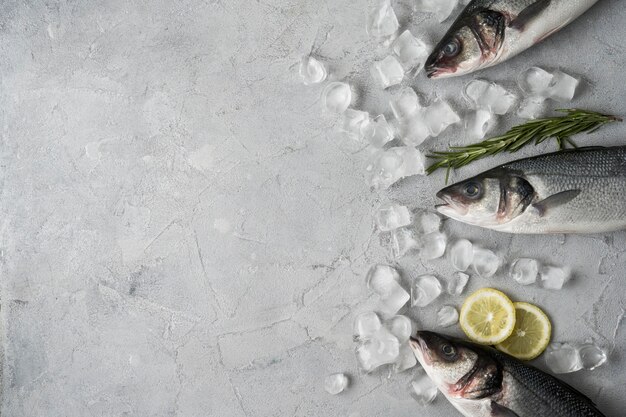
561	128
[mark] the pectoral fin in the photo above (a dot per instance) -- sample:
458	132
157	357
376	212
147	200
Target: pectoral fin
555	200
499	411
529	14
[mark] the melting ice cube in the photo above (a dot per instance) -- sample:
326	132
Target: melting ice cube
532	108
392	216
378	132
391	165
563	358
433	245
535	82
563	87
404	241
384	281
387	72
382	22
411	52
553	278
447	316
401	327
524	271
336	383
486	262
405	104
430	222
366	325
456	284
439	116
479	124
381	349
489	96
354	123
461	254
312	71
591	356
425	290
414	131
423	390
406	359
441	8
336	97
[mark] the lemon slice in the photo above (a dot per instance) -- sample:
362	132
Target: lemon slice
488	316
531	335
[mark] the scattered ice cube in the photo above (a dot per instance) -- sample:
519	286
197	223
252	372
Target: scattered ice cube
461	254
430	222
405	104
381	349
388	72
411	52
524	271
401	327
591	356
382	22
354	123
489	96
406	359
479	124
384	281
535	82
404	241
532	108
563	358
391	216
312	71
433	245
336	97
414	131
553	278
425	290
439	116
378	132
423	389
457	284
441	8
336	383
562	87
366	325
387	167
447	316
486	263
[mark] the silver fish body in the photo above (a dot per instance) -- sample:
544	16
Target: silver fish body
573	191
489	32
483	382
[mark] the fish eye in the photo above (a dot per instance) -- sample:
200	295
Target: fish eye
472	190
448	350
452	48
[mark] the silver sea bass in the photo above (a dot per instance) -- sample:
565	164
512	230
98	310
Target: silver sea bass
573	191
483	382
491	31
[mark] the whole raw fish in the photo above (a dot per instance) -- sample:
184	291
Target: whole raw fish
574	191
491	31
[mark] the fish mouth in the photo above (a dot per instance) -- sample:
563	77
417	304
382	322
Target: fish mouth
437	72
419	347
450	205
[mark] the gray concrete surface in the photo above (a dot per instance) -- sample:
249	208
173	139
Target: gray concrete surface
185	234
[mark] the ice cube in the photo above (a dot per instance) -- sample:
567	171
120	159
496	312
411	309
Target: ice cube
479	124
489	96
425	290
433	245
474	91
404	241
439	116
384	281
381	349
423	389
447	316
563	358
535	82
591	356
406	359
405	104
532	108
366	325
392	216
378	132
562	87
441	8
387	72
430	222
411	52
486	263
401	327
461	254
553	278
415	130
354	123
382	22
336	97
312	71
456	284
391	165
524	271
336	383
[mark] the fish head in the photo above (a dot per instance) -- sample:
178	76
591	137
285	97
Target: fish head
488	200
445	360
473	42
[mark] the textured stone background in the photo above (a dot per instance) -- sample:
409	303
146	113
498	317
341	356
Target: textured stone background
185	234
